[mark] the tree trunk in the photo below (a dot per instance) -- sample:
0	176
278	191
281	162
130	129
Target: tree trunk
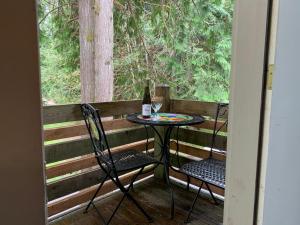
96	50
87	68
103	50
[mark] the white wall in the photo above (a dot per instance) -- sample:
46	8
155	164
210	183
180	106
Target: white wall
282	186
22	196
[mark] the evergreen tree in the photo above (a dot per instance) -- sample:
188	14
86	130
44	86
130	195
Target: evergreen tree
186	44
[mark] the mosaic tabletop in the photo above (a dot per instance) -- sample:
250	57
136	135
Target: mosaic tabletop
166	119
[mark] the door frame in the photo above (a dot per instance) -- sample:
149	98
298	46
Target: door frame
246	117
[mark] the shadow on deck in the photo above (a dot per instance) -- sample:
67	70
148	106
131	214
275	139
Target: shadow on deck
155	198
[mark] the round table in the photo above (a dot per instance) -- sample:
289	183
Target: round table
168	120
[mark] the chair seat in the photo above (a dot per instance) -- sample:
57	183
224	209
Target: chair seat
209	170
131	159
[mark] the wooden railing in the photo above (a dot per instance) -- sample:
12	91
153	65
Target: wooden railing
72	172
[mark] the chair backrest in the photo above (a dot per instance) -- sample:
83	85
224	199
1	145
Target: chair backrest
222	110
97	135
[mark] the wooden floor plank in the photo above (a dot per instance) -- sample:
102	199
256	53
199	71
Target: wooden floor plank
155	198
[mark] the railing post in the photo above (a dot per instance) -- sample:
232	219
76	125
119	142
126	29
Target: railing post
162	91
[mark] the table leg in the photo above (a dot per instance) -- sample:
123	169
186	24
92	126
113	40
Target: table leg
165	150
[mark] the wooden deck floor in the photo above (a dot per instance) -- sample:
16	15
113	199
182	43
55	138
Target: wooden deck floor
154	197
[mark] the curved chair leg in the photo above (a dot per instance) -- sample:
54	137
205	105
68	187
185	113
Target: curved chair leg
187	220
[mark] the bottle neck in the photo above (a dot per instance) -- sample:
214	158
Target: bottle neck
146	93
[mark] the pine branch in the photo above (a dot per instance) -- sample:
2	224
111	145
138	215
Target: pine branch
53	10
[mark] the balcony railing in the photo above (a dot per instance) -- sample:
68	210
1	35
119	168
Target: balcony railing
72	172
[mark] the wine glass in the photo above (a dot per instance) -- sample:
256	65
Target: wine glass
156	105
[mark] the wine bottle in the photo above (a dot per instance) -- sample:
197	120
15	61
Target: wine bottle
146	104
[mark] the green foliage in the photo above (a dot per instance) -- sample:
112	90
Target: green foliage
59	49
186	44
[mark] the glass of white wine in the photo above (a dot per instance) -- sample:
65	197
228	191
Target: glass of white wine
156	104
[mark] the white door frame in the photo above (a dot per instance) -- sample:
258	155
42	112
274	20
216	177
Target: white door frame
248	77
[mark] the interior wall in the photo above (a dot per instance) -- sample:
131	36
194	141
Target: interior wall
282	190
22	193
247	79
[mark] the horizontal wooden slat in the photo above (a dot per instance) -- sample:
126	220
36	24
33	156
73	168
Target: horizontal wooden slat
80	129
196	182
196	151
194	107
89	160
67	150
72	112
86	194
209	124
71	149
206	109
74	183
201	137
71	166
64	132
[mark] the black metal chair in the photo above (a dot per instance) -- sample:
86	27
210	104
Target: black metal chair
208	171
113	164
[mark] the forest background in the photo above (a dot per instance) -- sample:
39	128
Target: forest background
183	43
